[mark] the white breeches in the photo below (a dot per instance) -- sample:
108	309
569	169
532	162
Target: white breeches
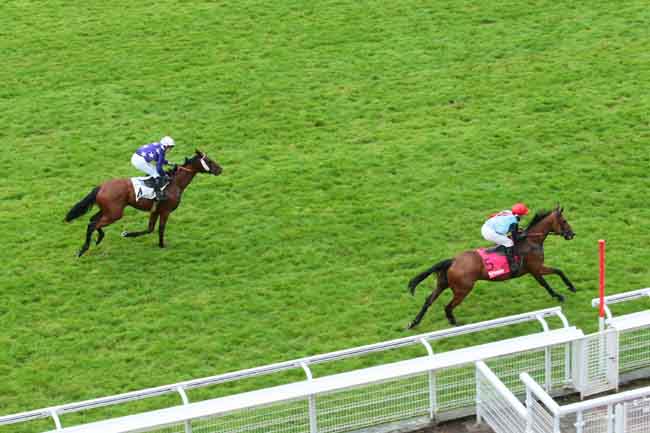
489	234
141	164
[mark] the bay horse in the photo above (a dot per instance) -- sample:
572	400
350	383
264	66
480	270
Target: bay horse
114	195
461	272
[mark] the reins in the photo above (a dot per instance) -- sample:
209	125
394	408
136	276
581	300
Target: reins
526	234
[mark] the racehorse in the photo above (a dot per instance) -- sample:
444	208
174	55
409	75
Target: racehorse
114	195
461	272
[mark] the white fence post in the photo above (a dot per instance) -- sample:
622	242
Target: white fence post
181	391
548	370
529	410
55	417
580	423
479	419
313	416
433	403
610	418
619	418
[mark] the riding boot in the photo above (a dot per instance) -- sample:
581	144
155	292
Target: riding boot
160	193
510	255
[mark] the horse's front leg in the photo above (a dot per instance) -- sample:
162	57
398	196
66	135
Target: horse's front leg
548	288
161	229
153	217
547	271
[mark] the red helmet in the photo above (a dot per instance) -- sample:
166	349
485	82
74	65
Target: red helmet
519	209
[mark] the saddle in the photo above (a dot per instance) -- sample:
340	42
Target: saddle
150	181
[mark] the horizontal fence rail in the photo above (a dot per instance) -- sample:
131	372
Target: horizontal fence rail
181	387
621	297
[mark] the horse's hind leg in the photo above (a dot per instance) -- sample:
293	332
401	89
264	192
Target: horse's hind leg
459	295
442	285
92	225
100	236
99	220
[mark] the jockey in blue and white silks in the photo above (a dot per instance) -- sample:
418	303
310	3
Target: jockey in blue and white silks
497	227
153	152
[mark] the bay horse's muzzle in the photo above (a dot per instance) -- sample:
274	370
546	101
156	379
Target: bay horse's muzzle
568	235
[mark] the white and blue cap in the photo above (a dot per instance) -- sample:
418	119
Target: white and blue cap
167	141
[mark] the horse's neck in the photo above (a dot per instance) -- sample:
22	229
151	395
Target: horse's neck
183	178
539	231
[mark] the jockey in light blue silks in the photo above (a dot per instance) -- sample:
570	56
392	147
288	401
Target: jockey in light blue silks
151	152
497	227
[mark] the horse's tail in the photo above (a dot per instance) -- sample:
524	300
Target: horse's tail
83	206
442	266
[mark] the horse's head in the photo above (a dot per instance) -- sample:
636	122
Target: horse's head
202	164
560	224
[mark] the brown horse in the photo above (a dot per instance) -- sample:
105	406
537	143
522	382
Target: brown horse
114	195
462	272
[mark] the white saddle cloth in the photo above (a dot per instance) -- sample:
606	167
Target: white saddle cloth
141	190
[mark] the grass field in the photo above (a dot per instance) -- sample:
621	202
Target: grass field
361	142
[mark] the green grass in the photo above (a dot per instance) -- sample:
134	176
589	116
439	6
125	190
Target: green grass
361	142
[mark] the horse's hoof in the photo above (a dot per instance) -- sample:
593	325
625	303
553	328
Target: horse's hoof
573	289
124	234
411	325
560	298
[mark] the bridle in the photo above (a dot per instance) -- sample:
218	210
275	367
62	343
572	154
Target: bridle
203	163
526	234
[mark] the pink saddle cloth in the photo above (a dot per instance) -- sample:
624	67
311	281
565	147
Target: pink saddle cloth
496	264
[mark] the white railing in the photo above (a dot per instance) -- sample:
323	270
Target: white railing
624	412
596	359
342	402
496	404
621	297
180	388
603	414
633	331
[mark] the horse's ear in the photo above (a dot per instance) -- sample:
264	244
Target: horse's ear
198	152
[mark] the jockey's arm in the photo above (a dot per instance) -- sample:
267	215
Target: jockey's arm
160	162
514	230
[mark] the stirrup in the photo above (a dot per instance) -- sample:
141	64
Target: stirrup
512	262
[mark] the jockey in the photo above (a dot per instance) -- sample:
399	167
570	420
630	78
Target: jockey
143	157
497	227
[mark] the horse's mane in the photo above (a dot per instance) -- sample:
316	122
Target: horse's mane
540	215
187	161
